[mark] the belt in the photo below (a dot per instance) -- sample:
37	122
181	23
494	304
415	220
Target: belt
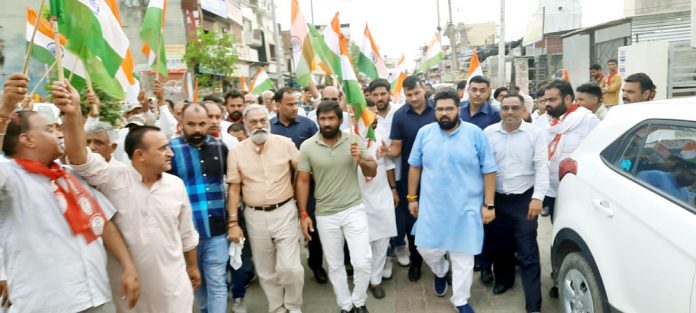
271	207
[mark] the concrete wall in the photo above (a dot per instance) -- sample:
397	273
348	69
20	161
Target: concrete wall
643	7
576	58
651	58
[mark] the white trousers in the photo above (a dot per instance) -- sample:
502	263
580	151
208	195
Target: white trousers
462	271
349	225
379	257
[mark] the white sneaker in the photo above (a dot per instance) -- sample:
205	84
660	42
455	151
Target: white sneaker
295	311
387	271
238	306
402	255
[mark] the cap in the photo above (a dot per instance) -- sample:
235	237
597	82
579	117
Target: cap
136	120
130	106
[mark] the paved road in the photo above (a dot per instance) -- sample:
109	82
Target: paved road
404	296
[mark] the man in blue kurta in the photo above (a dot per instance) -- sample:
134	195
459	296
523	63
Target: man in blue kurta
445	154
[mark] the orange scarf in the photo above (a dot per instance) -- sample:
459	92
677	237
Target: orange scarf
556	139
610	76
82	212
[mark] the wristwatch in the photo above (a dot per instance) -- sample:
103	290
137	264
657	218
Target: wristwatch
490	206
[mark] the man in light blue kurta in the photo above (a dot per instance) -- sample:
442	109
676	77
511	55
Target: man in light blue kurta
456	167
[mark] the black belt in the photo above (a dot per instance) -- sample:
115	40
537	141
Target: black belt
271	207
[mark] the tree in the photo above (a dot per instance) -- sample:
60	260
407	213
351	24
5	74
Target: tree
212	57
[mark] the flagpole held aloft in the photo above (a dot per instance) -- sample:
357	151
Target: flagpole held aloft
25	68
59	49
42	78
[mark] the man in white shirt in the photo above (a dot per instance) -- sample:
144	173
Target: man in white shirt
331	93
566	126
215	118
52	238
154	210
521	183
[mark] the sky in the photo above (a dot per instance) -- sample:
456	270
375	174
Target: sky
401	26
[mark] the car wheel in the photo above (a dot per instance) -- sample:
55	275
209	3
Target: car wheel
579	287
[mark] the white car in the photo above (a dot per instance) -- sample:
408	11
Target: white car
624	233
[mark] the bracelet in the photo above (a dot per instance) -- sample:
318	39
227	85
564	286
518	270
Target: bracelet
232	222
303	215
411	197
392	187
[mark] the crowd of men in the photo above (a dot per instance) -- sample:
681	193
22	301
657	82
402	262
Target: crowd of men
191	200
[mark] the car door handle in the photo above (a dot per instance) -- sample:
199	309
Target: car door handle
603	207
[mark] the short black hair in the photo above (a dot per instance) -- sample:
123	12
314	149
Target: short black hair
214	98
461	85
330	106
278	95
563	87
499	90
19	124
513	95
590	88
612	60
446	93
596	67
197	106
540	92
643	79
134	139
379	82
234	93
235	127
480	79
369	102
411	82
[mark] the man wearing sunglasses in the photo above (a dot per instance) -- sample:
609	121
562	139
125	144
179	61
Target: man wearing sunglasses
331	93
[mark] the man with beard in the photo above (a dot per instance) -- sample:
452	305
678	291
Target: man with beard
445	154
51	255
234	103
638	87
260	175
478	110
596	74
568	124
154	213
299	128
521	184
214	122
332	158
406	122
200	161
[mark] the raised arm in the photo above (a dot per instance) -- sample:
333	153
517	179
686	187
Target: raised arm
67	99
14	90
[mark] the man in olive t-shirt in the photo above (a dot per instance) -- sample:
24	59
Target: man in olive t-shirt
332	158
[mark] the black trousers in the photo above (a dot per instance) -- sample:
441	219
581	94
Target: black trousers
316	254
510	231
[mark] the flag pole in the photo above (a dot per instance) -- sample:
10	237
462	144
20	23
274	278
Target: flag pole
72	71
42	78
95	107
25	68
59	49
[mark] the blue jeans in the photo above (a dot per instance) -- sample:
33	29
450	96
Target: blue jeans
213	256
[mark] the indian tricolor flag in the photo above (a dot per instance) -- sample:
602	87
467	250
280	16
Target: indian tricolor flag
397	84
369	60
353	93
44	48
260	83
324	57
301	46
243	83
126	74
332	57
433	54
151	33
94	35
474	70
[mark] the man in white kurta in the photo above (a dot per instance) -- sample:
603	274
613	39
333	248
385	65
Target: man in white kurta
158	228
379	207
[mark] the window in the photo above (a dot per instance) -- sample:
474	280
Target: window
661	156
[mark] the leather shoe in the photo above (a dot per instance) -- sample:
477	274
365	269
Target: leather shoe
362	309
320	276
414	273
377	291
486	276
344	311
553	292
500	288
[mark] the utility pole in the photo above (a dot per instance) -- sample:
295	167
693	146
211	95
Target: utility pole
311	5
501	46
453	41
276	38
439	29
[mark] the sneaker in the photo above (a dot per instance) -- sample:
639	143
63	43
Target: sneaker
402	255
465	309
238	306
440	286
387	271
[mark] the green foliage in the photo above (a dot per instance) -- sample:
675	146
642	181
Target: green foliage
110	109
212	57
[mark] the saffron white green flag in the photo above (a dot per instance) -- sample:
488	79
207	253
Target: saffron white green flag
433	54
151	33
301	46
260	83
369	60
